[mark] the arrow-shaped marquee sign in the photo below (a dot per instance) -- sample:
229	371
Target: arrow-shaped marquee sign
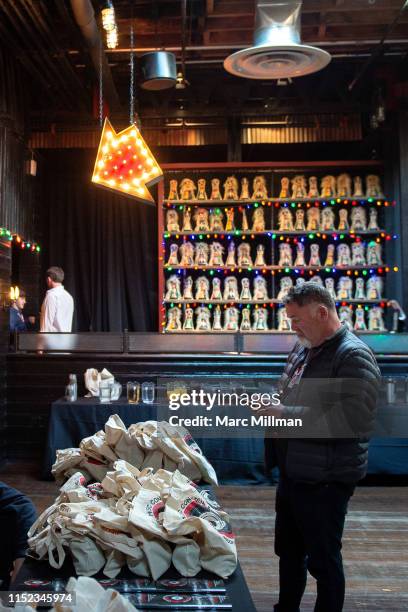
125	163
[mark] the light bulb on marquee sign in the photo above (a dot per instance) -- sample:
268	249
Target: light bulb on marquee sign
125	163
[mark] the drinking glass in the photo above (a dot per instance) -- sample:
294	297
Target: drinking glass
105	392
116	391
148	392
133	392
71	392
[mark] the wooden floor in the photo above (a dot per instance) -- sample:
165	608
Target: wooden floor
375	542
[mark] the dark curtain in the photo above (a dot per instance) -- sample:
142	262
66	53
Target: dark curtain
106	243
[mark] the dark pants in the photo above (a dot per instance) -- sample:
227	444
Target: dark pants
308	531
8	529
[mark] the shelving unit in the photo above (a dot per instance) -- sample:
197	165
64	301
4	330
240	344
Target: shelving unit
270	238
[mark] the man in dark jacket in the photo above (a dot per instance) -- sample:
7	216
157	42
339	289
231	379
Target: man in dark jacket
331	381
17	514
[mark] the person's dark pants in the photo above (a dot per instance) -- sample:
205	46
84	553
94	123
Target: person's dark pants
308	531
7	556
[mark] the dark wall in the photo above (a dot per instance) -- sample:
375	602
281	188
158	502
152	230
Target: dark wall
18	211
5	273
17	200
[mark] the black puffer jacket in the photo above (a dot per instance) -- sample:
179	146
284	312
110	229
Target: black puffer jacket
336	398
17	514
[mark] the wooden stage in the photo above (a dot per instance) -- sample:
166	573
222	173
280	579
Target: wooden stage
375	543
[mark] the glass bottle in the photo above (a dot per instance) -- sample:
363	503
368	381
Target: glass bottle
72	383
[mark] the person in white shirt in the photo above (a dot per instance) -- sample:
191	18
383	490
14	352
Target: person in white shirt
58	306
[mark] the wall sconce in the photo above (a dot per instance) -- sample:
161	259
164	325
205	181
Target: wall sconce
12	295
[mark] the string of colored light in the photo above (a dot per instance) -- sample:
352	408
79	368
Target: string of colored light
24	244
305	234
281	203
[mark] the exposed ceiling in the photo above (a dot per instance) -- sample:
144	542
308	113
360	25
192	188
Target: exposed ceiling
45	37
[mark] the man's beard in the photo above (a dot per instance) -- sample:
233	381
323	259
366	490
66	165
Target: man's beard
304	342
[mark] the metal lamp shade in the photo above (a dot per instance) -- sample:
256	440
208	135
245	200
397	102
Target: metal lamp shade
159	70
277	52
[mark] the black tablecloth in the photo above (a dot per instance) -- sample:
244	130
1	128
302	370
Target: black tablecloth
236	461
236	586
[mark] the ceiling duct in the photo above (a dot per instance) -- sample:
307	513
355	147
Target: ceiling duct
85	17
277	52
159	70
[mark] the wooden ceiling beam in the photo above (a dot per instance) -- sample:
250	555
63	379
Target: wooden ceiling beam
40	58
352	19
327	6
149	26
209	7
35	10
321	34
341	33
313	20
26	61
233	8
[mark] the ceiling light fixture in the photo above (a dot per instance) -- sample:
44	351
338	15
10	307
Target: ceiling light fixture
158	70
278	52
108	17
112	38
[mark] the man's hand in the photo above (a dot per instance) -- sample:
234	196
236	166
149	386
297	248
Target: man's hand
16	568
394	304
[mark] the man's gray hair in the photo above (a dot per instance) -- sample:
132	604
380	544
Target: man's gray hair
309	293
